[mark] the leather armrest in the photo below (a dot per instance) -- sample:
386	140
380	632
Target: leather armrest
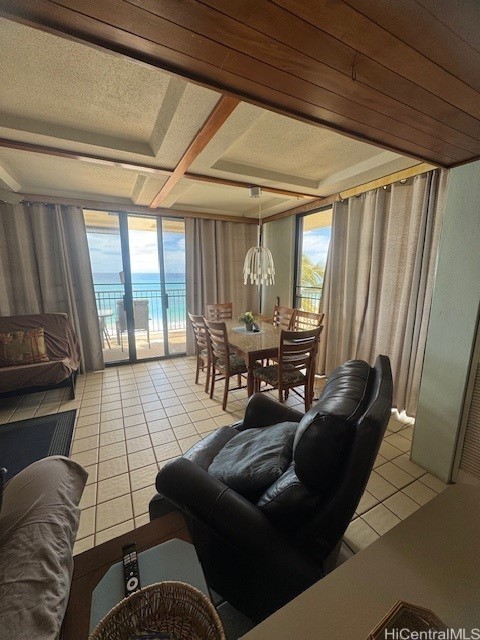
263	411
233	518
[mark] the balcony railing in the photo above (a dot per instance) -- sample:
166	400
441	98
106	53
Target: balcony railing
308	298
108	296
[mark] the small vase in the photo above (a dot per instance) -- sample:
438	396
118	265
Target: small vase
249	326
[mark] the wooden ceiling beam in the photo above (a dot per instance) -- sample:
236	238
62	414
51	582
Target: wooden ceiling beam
142	167
222	110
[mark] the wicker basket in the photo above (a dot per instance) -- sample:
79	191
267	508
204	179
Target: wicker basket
177	610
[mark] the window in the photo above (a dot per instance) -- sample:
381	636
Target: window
313	239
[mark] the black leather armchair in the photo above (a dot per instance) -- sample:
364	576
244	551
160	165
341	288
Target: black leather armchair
260	553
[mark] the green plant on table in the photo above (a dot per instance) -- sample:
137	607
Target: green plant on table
247	317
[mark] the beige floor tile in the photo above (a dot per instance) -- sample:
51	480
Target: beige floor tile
132	421
166	451
419	492
181	419
401	505
141	499
162	437
113	487
144	477
114	512
114	532
141	459
130	403
111	437
91	402
85	421
398	441
381	519
89	496
225	420
388	451
115	414
111	425
394	475
379	460
158	425
217	410
206	426
87	523
141	520
92	471
433	483
379	487
135	410
137	431
139	443
170	401
359	535
84	444
112	467
152	406
86	458
187	443
193	405
367	501
85	432
185	431
175	410
407	465
83	545
114	450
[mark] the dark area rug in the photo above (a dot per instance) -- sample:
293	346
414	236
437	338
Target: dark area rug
26	441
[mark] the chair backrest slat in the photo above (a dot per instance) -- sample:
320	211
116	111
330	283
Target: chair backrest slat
282	317
200	332
221	311
217	335
305	320
298	349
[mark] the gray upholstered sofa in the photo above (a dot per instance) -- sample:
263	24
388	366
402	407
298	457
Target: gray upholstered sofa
39	520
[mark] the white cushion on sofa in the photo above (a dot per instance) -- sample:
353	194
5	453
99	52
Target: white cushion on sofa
38	524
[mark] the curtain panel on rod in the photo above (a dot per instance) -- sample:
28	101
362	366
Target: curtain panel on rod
215	253
45	268
379	279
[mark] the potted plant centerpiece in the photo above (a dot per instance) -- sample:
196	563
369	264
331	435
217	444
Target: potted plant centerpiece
248	319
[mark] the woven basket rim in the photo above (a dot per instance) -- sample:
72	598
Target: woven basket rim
159	585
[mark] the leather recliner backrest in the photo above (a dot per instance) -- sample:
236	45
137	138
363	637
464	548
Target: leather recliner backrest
321	448
322	532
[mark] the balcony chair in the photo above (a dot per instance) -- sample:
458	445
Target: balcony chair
295	366
140	316
202	350
222	360
219	312
304	320
267	500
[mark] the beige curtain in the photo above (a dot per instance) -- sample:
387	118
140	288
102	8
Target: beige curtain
379	279
215	252
45	267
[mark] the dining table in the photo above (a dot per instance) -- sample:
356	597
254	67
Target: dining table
253	346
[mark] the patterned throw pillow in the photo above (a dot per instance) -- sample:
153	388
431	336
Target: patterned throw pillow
22	347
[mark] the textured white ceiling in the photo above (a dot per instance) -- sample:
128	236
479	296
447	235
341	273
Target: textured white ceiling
64	94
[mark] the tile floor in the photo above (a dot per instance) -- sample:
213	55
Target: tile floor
132	419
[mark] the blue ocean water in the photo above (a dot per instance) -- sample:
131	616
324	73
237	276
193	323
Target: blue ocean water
109	289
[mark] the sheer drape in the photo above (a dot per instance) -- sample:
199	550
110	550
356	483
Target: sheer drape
45	267
215	252
379	279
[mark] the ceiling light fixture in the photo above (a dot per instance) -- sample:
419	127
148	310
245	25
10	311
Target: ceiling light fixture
258	265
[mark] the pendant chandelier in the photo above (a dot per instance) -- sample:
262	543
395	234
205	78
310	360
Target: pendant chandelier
258	265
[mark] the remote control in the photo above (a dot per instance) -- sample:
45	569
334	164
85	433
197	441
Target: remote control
131	573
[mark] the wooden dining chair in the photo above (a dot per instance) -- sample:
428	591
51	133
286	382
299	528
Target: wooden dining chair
304	320
218	312
224	362
295	366
282	317
202	349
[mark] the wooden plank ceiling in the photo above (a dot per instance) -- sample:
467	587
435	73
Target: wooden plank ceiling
404	75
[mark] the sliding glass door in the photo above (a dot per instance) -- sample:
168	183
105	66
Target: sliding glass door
141	305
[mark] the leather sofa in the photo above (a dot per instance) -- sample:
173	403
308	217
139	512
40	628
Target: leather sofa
265	531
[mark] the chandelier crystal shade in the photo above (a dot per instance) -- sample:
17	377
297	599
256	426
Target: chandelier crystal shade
258	265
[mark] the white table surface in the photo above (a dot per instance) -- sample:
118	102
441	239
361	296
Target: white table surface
431	559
